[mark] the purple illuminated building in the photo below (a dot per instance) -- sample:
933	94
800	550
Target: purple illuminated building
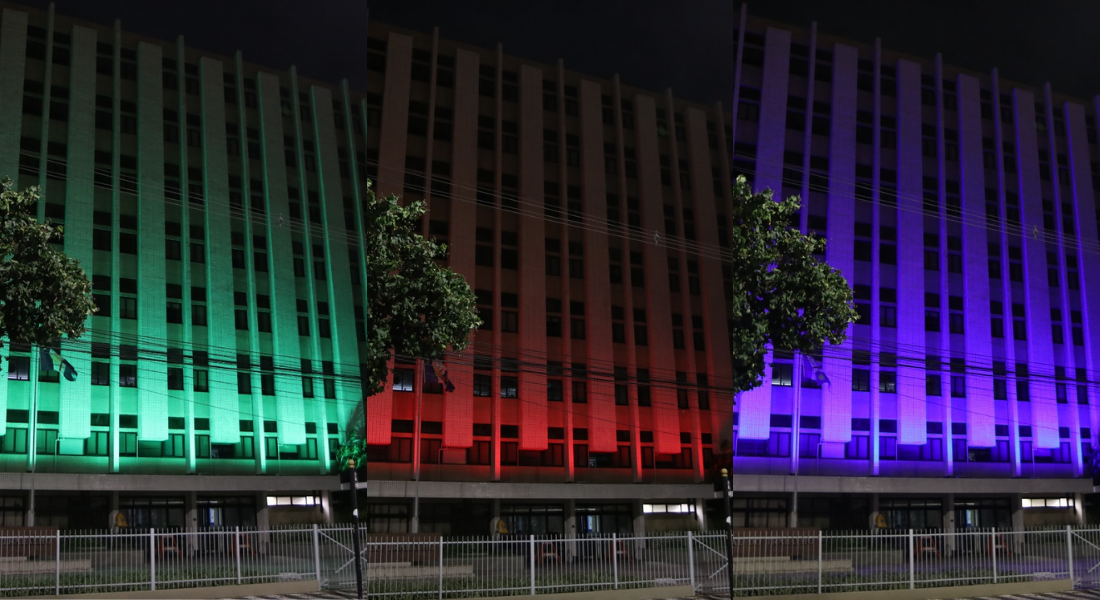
961	208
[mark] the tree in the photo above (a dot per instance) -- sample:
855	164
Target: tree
44	294
783	297
415	306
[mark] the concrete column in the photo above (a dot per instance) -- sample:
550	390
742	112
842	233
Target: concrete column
569	529
639	526
701	513
949	522
263	518
326	507
191	520
1079	508
792	518
28	516
112	515
494	517
1016	503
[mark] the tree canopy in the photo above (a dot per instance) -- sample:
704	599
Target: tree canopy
783	296
415	306
44	294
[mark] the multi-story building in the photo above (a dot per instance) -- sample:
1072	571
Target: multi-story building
962	209
215	205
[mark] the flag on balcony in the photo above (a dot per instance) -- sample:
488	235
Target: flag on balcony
50	360
813	371
438	374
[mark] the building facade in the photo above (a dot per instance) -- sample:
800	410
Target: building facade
216	207
961	207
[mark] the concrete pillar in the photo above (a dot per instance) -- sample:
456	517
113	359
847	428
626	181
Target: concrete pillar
263	518
326	507
639	526
792	518
1015	502
569	529
701	513
28	516
1079	508
113	507
191	520
949	522
414	520
494	518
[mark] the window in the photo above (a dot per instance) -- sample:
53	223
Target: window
403	380
509	321
509	387
782	374
956	322
861	380
958	386
483	385
888	316
127	375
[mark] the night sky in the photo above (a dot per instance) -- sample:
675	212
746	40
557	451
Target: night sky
652	44
1029	42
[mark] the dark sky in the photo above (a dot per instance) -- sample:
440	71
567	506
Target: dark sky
652	44
1032	42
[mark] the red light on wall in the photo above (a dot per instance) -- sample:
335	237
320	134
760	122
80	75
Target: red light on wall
532	411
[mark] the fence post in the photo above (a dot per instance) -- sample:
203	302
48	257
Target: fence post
993	551
237	550
57	564
441	567
615	557
152	560
691	562
1069	552
912	583
531	557
820	561
317	555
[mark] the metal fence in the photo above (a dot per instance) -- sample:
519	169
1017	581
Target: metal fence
428	566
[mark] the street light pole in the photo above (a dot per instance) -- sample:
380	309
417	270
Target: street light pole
355	521
727	491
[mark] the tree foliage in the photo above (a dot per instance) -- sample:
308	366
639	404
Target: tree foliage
44	294
783	297
416	307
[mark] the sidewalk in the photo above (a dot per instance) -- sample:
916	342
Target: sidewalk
350	595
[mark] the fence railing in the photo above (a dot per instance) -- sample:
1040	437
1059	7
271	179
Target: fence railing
38	561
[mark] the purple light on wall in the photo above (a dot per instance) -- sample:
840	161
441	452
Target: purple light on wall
980	412
1044	415
754	408
912	407
836	400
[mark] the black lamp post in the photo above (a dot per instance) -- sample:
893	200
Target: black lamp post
727	492
355	521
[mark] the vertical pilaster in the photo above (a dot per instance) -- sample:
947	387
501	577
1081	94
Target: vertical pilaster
153	374
980	409
836	398
912	403
225	426
79	206
13	58
532	256
601	395
345	348
666	414
1040	347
